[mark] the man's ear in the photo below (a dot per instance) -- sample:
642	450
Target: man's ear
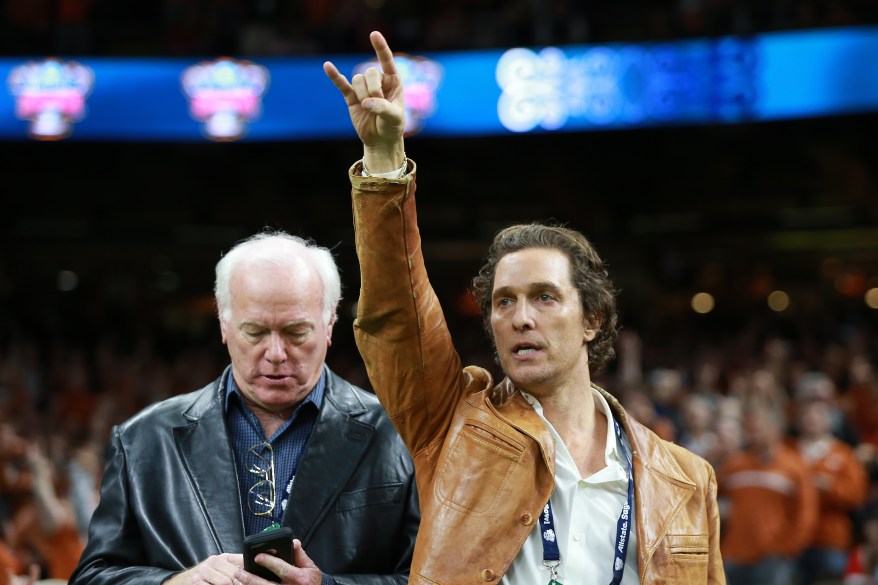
223	331
592	326
329	328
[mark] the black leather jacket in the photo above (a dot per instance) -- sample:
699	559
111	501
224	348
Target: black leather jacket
170	498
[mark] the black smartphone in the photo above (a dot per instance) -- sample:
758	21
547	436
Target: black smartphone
277	542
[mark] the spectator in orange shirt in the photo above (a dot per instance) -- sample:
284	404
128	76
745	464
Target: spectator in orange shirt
12	571
842	486
45	523
772	503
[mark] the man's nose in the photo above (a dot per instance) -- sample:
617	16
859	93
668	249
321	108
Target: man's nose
522	317
276	352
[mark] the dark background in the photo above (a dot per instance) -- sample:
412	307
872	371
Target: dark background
737	211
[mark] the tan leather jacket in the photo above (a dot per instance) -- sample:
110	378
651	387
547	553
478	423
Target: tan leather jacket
484	460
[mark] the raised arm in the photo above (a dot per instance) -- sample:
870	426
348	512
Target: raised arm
375	104
400	328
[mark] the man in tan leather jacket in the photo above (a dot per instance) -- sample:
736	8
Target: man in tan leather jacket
535	479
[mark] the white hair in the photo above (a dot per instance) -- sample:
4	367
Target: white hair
277	246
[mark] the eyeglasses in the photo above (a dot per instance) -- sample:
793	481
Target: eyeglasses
262	496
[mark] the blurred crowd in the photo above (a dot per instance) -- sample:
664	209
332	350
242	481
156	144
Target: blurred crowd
785	409
57	406
792	433
814	402
284	27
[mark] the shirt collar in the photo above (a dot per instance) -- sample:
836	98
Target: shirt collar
314	397
612	454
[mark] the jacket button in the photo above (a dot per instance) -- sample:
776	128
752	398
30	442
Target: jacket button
526	519
488	575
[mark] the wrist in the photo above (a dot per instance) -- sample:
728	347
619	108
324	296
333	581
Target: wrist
396	173
383	159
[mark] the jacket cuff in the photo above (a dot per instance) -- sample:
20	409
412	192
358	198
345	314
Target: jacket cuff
355	173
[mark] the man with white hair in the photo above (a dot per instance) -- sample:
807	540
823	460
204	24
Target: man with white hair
277	440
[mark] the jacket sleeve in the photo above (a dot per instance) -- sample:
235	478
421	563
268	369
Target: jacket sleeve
400	329
114	550
715	572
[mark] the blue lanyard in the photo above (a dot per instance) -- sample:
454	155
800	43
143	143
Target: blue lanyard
551	554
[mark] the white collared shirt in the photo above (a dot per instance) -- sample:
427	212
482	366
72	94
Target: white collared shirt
585	511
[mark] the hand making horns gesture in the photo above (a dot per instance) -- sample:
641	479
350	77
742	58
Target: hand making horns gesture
375	104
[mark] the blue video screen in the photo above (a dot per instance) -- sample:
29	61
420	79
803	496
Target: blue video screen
520	90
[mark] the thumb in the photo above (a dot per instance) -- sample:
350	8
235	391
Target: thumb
383	108
375	105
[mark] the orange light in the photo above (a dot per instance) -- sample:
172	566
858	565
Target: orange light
778	301
703	302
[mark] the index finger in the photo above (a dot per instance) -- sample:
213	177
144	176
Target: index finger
383	52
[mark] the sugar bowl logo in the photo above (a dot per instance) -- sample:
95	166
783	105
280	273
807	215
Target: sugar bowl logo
421	78
51	95
226	95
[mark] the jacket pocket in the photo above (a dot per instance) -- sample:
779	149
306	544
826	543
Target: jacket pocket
477	468
680	559
688	547
379	495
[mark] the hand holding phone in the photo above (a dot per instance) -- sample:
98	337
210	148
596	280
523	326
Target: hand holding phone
277	542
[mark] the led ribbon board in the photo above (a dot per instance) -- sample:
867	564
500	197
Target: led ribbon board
551	89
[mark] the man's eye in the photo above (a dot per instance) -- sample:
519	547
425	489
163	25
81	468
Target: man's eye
546	297
299	333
